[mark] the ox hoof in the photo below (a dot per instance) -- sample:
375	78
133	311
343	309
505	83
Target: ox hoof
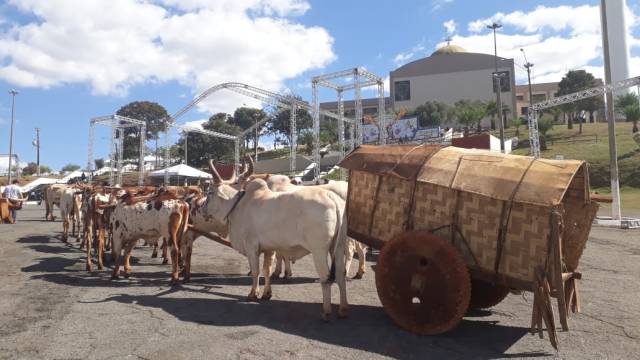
326	317
249	273
173	282
266	296
274	276
343	313
165	261
115	277
89	268
252	298
186	280
358	276
127	275
154	255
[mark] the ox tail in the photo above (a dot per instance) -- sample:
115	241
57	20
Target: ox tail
184	226
339	241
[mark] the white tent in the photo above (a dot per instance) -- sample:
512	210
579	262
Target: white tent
181	170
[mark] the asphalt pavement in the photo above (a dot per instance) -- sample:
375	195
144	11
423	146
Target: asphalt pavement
51	308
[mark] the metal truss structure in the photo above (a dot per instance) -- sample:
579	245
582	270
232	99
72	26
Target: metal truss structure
265	96
118	125
532	118
361	79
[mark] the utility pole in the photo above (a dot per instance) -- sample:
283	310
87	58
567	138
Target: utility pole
38	152
13	103
498	84
616	213
528	66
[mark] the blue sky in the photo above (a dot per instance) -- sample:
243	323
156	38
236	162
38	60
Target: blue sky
74	63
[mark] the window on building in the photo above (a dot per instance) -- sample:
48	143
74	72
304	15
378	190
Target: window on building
520	97
539	97
505	82
524	110
402	90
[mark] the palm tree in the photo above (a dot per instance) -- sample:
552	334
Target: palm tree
632	113
627	105
544	125
492	111
468	113
517	122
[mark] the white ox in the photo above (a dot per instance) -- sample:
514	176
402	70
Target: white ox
293	223
162	217
70	203
282	183
52	196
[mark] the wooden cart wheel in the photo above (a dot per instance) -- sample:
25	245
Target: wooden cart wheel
485	294
423	283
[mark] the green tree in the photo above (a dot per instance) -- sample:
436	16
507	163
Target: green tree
99	163
153	114
244	118
432	113
492	112
44	169
469	113
201	148
632	113
70	167
517	122
544	125
573	81
30	169
627	105
306	138
280	120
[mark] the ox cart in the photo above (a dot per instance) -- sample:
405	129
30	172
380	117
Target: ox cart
460	229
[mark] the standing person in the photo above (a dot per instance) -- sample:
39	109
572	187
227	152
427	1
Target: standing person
12	192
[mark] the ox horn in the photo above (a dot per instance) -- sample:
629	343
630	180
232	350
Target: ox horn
216	176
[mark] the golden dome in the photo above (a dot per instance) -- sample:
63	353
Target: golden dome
449	49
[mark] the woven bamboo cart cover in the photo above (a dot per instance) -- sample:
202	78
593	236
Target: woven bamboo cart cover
397	188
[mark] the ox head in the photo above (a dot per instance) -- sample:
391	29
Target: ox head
221	194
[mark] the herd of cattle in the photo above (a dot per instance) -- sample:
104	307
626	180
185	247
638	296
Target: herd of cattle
256	213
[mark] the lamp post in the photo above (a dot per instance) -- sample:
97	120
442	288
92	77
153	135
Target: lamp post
616	212
498	84
13	103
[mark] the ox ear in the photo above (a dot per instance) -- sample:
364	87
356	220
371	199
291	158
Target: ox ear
217	180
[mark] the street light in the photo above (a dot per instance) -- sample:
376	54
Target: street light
13	103
498	83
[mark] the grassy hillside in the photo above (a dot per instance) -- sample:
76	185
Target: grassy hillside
596	153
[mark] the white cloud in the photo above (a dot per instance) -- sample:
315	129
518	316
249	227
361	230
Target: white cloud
113	45
450	26
556	40
577	19
196	123
404	57
438	4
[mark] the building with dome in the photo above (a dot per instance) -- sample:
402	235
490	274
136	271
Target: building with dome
448	75
451	74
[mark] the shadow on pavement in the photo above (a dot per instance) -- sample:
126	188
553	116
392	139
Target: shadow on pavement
472	338
368	329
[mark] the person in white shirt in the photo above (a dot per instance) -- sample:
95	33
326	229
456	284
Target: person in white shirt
12	192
